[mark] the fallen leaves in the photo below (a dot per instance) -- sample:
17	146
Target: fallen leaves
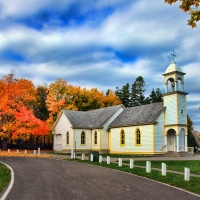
30	153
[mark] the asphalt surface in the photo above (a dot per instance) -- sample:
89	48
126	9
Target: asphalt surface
51	179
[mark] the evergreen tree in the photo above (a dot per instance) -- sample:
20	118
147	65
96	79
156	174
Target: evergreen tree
147	100
124	94
191	139
137	92
108	91
152	96
155	96
159	97
135	96
40	108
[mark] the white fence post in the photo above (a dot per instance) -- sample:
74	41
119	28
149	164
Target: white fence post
148	166
186	174
108	160
164	169
8	151
39	151
131	163
120	162
83	156
91	157
72	154
34	152
25	151
17	151
100	159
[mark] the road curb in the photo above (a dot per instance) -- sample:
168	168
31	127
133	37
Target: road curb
11	182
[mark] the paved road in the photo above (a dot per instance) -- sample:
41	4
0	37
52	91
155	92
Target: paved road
50	179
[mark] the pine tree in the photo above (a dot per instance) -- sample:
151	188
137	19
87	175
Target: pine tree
40	108
155	96
191	139
137	92
159	97
152	96
124	94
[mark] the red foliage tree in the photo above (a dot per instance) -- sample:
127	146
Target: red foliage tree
17	97
26	124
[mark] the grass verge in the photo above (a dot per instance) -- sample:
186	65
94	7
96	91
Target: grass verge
194	165
5	176
127	155
172	179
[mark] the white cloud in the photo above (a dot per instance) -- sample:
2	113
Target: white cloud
94	54
194	98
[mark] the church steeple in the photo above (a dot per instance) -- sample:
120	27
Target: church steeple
175	102
174	78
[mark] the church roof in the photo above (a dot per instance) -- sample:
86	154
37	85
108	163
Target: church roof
173	67
90	119
145	114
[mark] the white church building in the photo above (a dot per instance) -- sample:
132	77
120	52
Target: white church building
158	128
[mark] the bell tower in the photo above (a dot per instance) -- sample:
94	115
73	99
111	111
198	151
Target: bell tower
175	101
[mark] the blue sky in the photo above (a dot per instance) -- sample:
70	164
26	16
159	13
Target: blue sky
102	44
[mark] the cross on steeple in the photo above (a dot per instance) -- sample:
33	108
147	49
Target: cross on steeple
173	55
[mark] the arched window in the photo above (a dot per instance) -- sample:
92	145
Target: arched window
67	138
95	138
122	138
137	137
83	138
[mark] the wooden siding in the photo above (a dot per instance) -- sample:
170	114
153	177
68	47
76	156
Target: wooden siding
97	147
104	133
182	118
182	139
88	138
130	146
62	126
171	110
159	134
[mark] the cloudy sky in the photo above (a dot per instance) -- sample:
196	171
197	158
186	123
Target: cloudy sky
102	44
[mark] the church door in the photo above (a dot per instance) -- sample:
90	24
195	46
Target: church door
170	142
58	145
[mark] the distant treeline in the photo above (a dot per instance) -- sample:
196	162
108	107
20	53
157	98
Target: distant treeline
134	95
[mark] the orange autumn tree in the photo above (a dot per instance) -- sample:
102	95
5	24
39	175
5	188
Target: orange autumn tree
15	95
65	96
26	124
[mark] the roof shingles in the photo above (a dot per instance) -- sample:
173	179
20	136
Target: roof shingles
145	114
90	119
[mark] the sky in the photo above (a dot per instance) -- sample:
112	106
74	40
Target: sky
102	44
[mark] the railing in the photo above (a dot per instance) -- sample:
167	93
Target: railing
58	147
163	147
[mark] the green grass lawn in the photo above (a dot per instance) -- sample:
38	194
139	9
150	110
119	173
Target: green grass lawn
126	155
194	165
172	179
5	176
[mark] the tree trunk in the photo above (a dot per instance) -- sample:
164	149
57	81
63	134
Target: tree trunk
4	144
